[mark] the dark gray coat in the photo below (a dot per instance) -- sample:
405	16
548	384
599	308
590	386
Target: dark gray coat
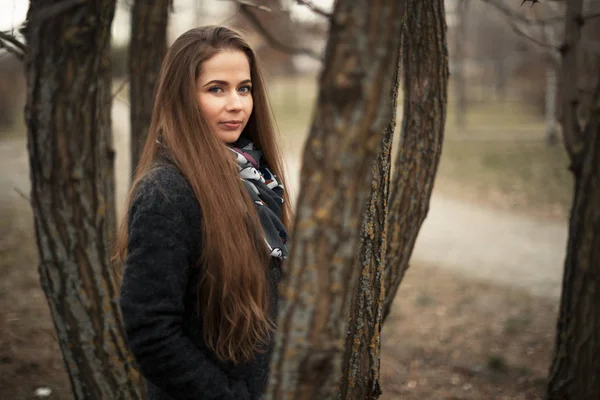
158	298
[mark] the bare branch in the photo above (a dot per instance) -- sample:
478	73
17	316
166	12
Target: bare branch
522	33
121	87
246	10
314	8
513	17
12	45
23	195
517	16
591	16
11	50
251	5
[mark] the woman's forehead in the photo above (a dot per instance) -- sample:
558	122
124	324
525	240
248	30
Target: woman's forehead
229	66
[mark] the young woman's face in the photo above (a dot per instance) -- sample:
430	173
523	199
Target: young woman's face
224	93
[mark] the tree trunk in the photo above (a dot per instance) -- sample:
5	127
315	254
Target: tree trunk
550	105
146	51
425	68
576	362
460	43
360	379
353	109
72	192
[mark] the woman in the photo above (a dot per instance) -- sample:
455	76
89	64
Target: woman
204	236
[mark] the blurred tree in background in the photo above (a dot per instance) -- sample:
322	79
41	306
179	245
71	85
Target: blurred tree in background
148	45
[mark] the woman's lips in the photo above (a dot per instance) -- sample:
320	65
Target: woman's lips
231	125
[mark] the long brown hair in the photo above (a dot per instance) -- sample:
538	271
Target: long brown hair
233	287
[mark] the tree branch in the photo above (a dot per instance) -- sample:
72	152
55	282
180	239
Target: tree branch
512	16
516	16
251	5
121	87
314	8
12	45
246	10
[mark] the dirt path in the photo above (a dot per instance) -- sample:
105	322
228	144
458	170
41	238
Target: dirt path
469	238
488	244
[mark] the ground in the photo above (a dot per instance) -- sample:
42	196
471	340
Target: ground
449	337
478	328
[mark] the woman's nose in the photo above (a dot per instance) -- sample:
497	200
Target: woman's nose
234	102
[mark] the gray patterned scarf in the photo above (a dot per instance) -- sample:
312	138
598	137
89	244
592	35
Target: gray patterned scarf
266	192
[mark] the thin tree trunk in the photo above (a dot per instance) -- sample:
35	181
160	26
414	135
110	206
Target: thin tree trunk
569	73
576	363
360	379
72	192
460	43
550	105
146	51
353	109
425	68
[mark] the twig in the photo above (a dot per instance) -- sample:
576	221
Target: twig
245	9
522	33
314	8
12	45
512	16
7	37
11	50
252	5
121	87
23	195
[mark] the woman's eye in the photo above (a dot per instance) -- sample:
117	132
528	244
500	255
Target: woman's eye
245	89
215	89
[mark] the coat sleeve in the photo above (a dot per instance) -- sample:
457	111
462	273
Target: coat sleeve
152	299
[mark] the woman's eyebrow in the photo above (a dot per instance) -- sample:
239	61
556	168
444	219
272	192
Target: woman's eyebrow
225	83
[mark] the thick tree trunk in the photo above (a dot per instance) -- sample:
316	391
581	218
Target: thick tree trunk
353	109
576	363
425	68
147	48
360	379
72	193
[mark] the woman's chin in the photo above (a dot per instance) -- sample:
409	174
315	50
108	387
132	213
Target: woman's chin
229	136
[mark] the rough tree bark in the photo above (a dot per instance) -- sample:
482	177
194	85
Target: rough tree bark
147	48
576	363
353	108
72	193
425	68
360	379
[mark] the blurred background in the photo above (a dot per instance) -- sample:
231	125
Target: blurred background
475	316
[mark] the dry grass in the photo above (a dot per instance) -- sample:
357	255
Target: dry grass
500	158
525	176
450	337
